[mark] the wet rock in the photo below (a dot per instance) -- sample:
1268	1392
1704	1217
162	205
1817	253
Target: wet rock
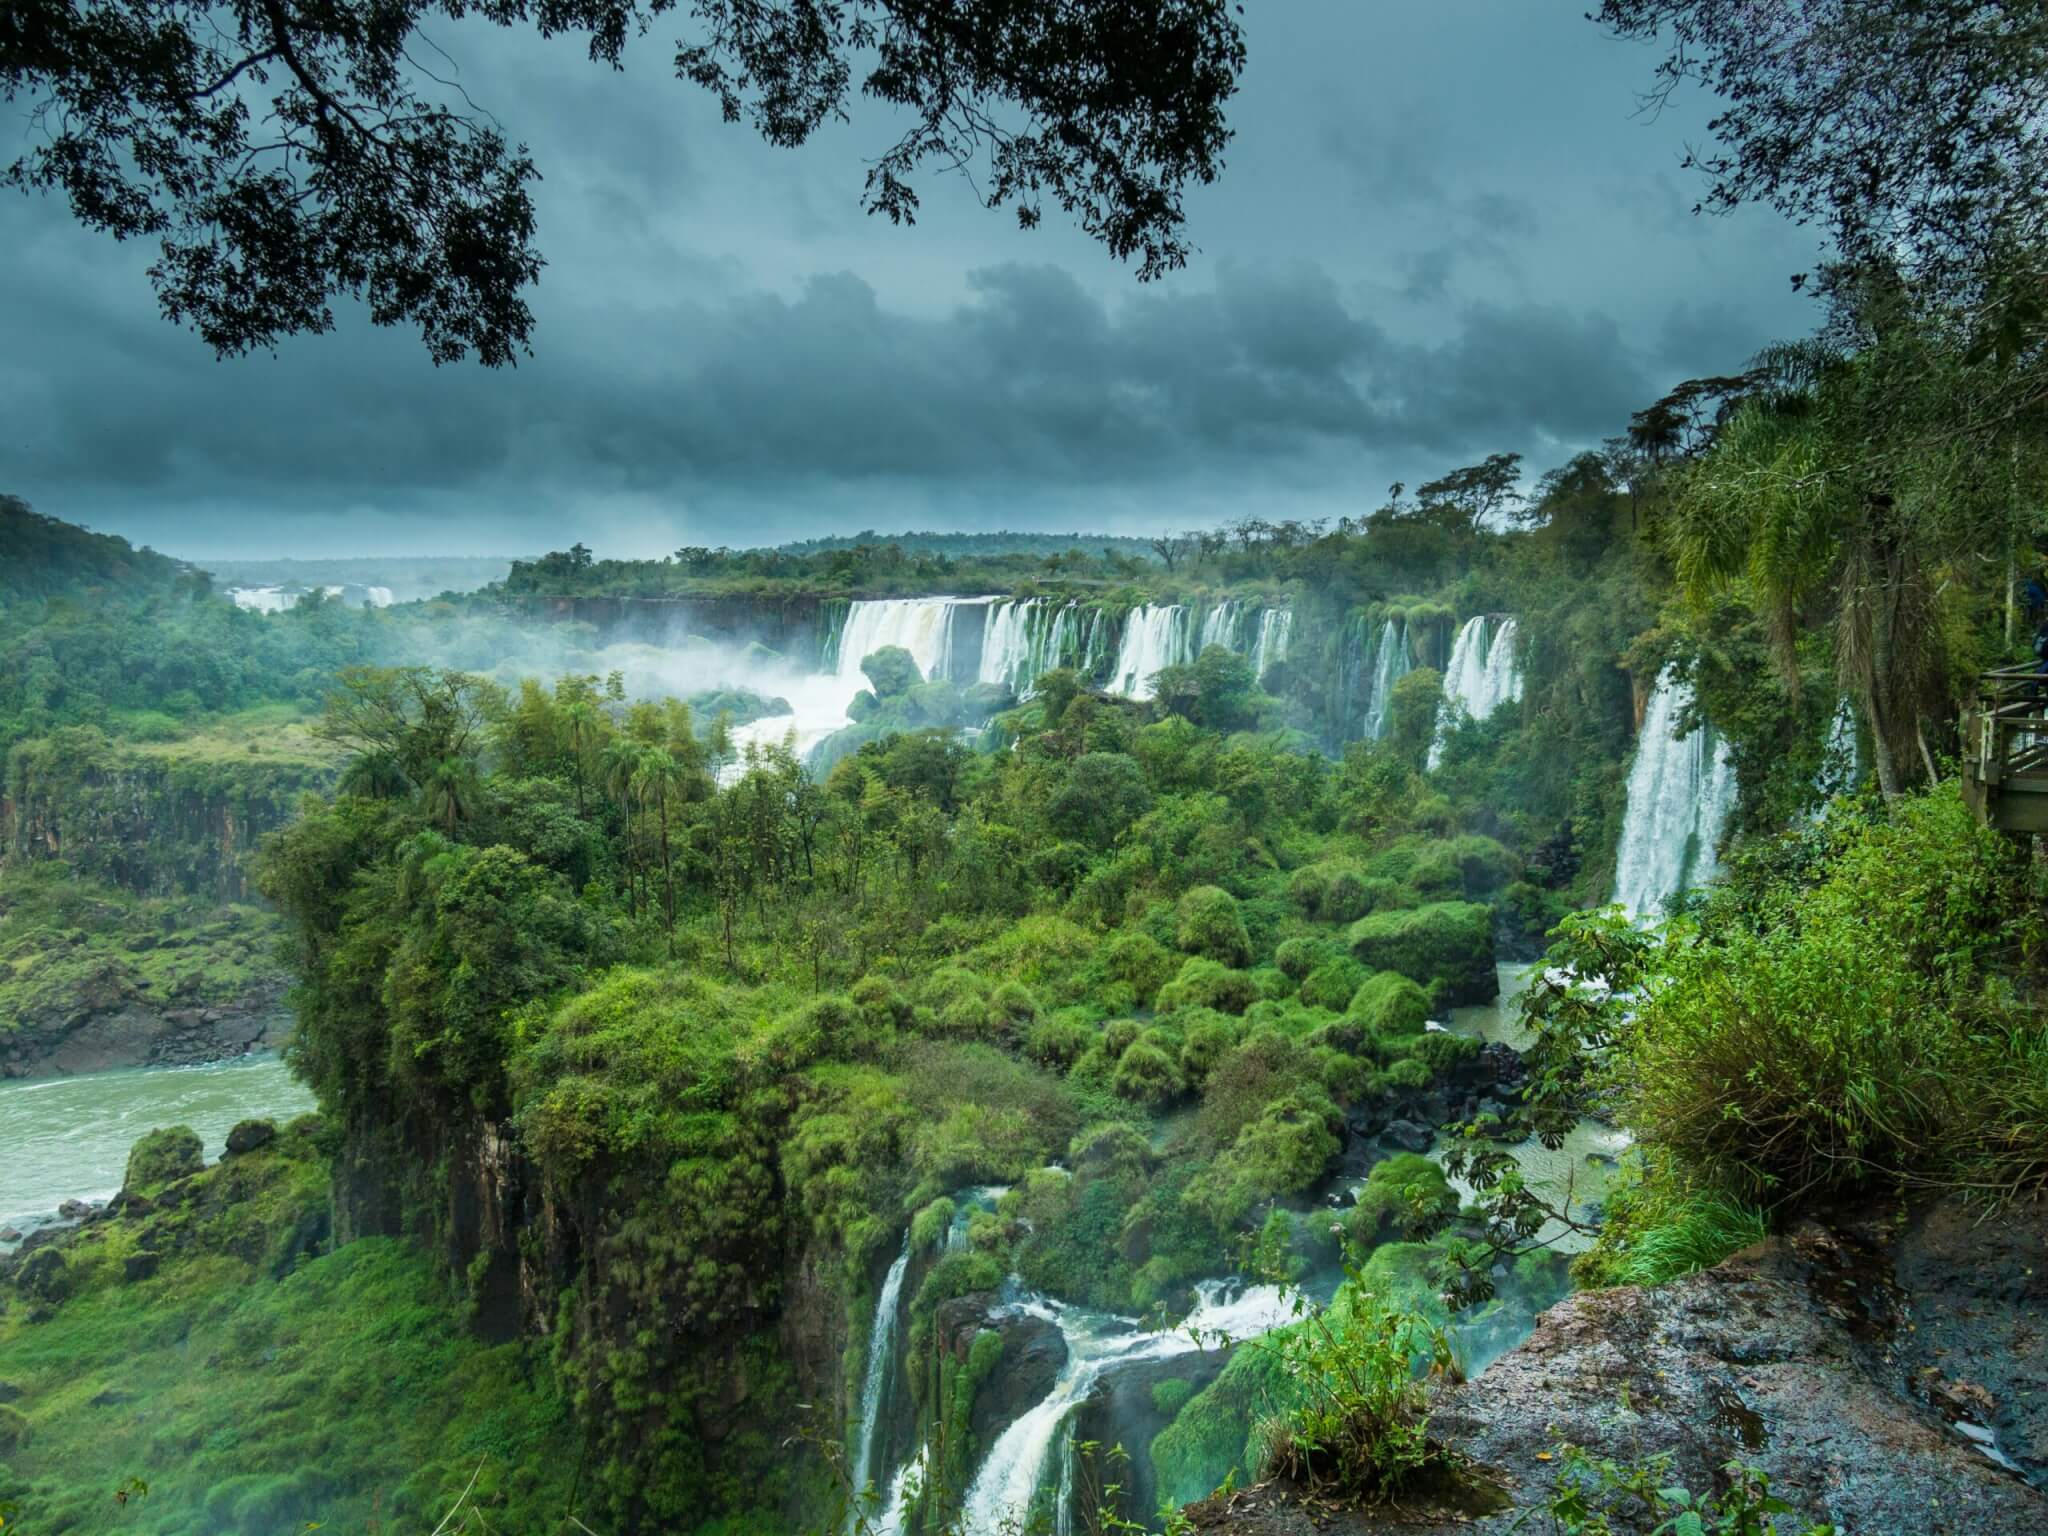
10	1234
1034	1351
112	1397
9	1392
44	1275
75	1210
1407	1135
1801	1356
249	1135
140	1266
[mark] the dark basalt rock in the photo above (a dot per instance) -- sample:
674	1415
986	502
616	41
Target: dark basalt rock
1034	1351
140	1266
249	1135
1408	1136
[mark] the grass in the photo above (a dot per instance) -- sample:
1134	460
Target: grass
342	1390
273	733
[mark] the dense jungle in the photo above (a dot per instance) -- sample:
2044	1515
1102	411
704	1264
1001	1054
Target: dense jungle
1515	1004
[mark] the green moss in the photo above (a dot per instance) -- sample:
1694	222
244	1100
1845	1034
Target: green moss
1447	941
1388	1003
1210	926
1205	983
161	1156
1332	984
1407	1194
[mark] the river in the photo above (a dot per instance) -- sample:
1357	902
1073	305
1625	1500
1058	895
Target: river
67	1138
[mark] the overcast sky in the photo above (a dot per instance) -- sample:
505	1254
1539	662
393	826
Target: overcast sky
1441	233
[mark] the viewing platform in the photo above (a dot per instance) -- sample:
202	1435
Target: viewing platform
2005	750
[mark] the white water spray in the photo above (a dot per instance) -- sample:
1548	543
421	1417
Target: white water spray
1480	677
1680	792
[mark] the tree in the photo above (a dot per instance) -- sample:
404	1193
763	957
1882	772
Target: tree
1472	497
892	671
289	153
659	779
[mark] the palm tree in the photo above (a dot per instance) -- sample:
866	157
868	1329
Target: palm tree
662	779
620	762
451	793
584	725
375	775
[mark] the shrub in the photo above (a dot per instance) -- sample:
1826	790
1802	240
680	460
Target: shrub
1348	896
1298	957
1147	1074
1286	1148
1211	926
1360	1426
1485	865
1389	1003
882	1003
1407	1194
1171	1395
1332	984
928	1228
1408	1073
1140	961
1307	888
1058	1040
1119	1034
1014	1003
1439	1050
1205	1036
1435	875
1450	941
1114	1147
1205	983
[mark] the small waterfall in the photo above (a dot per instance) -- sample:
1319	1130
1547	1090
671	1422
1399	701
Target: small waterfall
377	597
1480	677
1154	637
1097	1343
874	1385
1276	628
1391	664
1220	627
1010	653
907	1484
1841	756
1680	792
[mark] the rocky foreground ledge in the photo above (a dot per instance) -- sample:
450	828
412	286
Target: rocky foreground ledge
1890	1373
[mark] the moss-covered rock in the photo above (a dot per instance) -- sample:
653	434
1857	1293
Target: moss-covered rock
1332	984
172	1152
1447	942
1407	1194
1204	983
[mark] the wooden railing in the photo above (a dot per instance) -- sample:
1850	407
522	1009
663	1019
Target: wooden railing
2005	750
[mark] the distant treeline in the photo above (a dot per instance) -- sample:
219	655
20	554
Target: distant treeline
1000	541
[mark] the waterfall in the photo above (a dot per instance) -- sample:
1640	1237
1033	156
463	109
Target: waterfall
907	1484
1009	650
1841	756
1153	638
1680	791
1480	677
923	626
1391	665
377	597
1219	627
1000	1497
1276	628
871	1428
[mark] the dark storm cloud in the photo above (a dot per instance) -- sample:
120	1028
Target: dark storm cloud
1419	254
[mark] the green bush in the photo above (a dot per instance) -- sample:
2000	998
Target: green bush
1058	1040
1298	957
1210	926
1332	984
1446	941
1147	1074
1141	962
1406	1194
1205	1036
1388	1004
1206	983
1171	1395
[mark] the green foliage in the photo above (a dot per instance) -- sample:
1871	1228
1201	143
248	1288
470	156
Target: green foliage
1203	983
1447	942
1388	1003
1332	984
1104	793
1297	957
1596	1496
1407	1193
1211	927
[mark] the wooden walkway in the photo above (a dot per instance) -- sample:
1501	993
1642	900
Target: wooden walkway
2005	750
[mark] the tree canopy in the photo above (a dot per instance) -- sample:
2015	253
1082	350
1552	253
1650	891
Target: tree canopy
290	153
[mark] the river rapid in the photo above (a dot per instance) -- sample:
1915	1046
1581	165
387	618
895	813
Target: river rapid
67	1138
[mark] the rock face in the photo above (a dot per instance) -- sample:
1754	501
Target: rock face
102	1024
1839	1359
1034	1351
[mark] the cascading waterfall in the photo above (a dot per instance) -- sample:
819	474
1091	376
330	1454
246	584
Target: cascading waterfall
1392	663
1154	637
1680	792
377	597
1276	629
1097	1343
881	1367
1220	627
1480	677
922	626
1010	650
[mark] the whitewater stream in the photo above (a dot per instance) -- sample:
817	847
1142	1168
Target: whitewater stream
67	1138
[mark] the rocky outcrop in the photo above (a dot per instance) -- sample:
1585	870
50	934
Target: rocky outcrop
1885	1371
1034	1351
104	1022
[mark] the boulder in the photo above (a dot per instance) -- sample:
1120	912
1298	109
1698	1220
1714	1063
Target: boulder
164	1155
249	1135
1407	1135
140	1266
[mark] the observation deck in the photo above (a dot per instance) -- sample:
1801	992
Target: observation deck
2005	750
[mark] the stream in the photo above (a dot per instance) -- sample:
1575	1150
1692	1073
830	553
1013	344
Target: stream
67	1138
